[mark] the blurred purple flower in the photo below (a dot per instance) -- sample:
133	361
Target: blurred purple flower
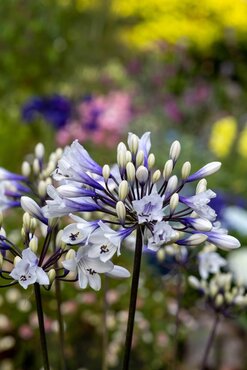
55	109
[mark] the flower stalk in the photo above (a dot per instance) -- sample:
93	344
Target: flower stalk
41	326
133	298
210	342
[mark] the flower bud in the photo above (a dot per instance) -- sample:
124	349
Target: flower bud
168	169
106	172
131	172
70	254
26	221
121	147
139	158
171	185
175	150
161	254
219	300
123	189
194	239
128	156
36	166
207	170
133	142
121	159
194	282
186	170
42	188
51	275
156	176
25	169
121	211
201	186
213	290
39	151
142	174
1	261
59	153
151	160
174	202
33	244
30	206
17	259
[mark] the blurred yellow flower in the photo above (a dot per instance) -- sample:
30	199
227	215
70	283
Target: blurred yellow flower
242	143
222	136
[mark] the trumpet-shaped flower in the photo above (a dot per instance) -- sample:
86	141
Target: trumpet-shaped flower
88	269
27	271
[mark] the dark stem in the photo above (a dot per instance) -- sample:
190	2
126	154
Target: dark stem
210	342
60	323
179	295
105	332
59	312
133	298
41	326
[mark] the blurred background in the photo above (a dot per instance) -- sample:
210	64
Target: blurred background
93	70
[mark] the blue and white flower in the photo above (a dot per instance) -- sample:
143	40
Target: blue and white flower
27	271
210	263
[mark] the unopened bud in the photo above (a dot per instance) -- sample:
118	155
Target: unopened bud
131	172
139	158
34	210
1	261
25	169
42	188
33	225
142	174
17	259
106	172
168	169
151	160
123	189
161	254
36	166
194	239
121	211
121	147
213	290
121	159
39	150
128	156
171	185
26	221
133	142
70	254
33	244
59	153
194	282
51	275
1	219
185	172
175	150
201	186
156	176
174	202
219	300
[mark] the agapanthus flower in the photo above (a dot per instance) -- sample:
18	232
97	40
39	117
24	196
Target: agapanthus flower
27	271
134	196
210	263
88	269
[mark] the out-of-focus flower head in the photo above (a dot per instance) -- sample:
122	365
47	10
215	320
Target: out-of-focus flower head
223	135
101	119
55	109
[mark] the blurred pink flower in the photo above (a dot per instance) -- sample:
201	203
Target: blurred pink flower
25	332
102	120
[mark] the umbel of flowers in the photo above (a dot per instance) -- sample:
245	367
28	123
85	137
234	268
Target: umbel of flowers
130	197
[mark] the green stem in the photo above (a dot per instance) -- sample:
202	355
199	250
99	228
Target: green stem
60	323
105	332
210	342
177	321
133	298
41	326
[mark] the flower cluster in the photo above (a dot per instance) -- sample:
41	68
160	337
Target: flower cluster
32	181
131	197
221	292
